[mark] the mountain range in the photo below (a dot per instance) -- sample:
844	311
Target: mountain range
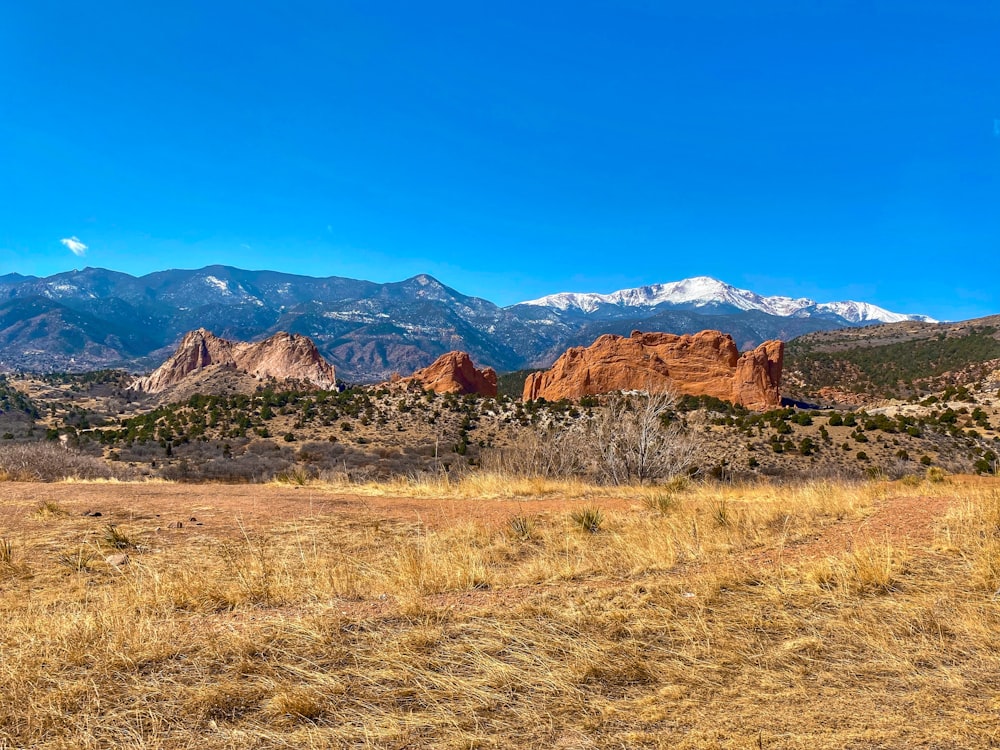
93	318
705	294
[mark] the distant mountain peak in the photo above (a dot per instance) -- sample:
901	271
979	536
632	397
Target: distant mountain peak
705	292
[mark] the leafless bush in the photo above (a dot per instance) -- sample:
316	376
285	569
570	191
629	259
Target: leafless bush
897	469
248	468
47	462
633	443
628	441
544	453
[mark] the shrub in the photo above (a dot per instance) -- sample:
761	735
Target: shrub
521	527
987	464
632	444
115	538
48	462
588	519
661	502
935	474
541	453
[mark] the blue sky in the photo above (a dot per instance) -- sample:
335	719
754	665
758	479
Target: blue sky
828	149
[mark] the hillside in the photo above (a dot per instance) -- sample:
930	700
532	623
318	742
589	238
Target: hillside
896	360
255	434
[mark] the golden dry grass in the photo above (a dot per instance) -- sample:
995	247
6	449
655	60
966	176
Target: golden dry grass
711	617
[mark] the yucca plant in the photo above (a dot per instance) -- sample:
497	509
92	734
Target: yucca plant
661	502
588	519
521	527
116	538
78	560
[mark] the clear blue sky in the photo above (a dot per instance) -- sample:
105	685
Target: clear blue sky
828	149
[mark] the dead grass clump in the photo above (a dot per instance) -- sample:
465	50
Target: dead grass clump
292	704
869	569
50	509
436	563
972	530
661	502
250	563
297	475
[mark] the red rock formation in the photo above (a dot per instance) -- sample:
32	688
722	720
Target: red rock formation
705	364
283	356
454	373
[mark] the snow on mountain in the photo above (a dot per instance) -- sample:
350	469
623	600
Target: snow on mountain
702	291
863	312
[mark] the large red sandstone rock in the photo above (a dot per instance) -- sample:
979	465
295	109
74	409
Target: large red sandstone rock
703	364
454	373
283	356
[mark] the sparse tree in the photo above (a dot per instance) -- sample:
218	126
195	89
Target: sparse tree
634	443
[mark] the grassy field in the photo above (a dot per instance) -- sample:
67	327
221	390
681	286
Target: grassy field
497	615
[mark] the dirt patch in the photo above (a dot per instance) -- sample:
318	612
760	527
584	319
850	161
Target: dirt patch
223	507
907	521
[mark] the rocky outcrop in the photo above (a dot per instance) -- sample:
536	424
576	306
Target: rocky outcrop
283	356
454	373
703	364
758	376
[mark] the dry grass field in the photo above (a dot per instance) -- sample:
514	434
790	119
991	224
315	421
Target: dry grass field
489	613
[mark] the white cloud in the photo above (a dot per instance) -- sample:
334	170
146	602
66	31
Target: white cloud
75	246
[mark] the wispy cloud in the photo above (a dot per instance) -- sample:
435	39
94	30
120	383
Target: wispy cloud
75	246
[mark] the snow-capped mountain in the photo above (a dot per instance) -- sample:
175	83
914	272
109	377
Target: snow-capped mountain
864	312
704	292
96	318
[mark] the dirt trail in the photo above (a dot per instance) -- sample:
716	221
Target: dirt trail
906	521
